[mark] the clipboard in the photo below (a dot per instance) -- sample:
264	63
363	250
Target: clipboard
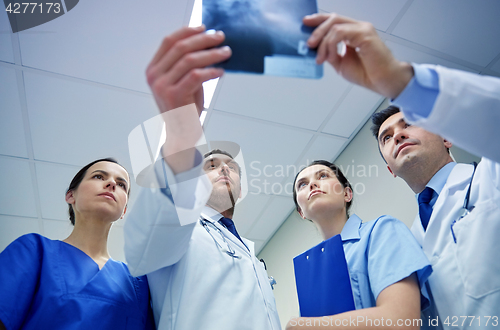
322	280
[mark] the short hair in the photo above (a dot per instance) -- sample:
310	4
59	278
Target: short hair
77	179
378	118
222	152
217	151
338	173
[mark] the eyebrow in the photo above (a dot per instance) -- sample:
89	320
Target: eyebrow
315	173
387	129
218	160
106	173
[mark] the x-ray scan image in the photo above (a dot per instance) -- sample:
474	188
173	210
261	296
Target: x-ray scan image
265	36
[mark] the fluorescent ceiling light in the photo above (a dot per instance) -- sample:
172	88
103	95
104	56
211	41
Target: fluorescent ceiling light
209	86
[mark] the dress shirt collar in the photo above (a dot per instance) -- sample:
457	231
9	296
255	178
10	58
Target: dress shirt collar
351	228
438	181
212	214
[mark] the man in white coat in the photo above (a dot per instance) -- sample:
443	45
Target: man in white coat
458	228
201	273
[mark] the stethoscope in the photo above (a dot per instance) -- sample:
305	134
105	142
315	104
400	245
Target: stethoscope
464	211
229	251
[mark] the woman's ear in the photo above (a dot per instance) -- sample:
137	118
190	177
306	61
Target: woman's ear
70	198
301	214
124	211
347	194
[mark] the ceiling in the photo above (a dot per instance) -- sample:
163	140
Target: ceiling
73	89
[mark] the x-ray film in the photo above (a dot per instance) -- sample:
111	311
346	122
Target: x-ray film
265	36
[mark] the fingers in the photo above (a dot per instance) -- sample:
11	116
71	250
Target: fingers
175	48
315	19
179	67
355	35
186	91
170	40
199	59
324	22
191	82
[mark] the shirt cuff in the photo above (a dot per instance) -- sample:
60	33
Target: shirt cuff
182	185
418	98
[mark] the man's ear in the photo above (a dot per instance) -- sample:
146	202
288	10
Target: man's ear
124	211
394	175
70	199
447	144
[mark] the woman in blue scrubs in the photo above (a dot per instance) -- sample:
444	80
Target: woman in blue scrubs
74	283
386	265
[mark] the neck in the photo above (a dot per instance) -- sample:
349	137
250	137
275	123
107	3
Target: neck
419	176
330	225
226	213
91	236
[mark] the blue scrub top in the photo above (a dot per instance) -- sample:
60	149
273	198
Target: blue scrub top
380	253
46	284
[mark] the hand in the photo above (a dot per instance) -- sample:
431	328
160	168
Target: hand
367	61
179	67
175	76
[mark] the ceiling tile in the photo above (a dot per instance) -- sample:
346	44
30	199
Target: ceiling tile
76	123
380	13
496	66
11	119
323	147
246	211
6	52
291	101
465	29
13	227
267	148
272	218
357	105
53	180
103	41
408	54
16	195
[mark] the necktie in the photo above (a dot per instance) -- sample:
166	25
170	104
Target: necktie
229	224
424	208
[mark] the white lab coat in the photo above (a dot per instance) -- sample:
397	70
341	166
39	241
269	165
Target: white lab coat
466	274
194	284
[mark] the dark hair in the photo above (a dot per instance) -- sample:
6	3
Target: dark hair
77	179
378	118
217	151
222	152
338	173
